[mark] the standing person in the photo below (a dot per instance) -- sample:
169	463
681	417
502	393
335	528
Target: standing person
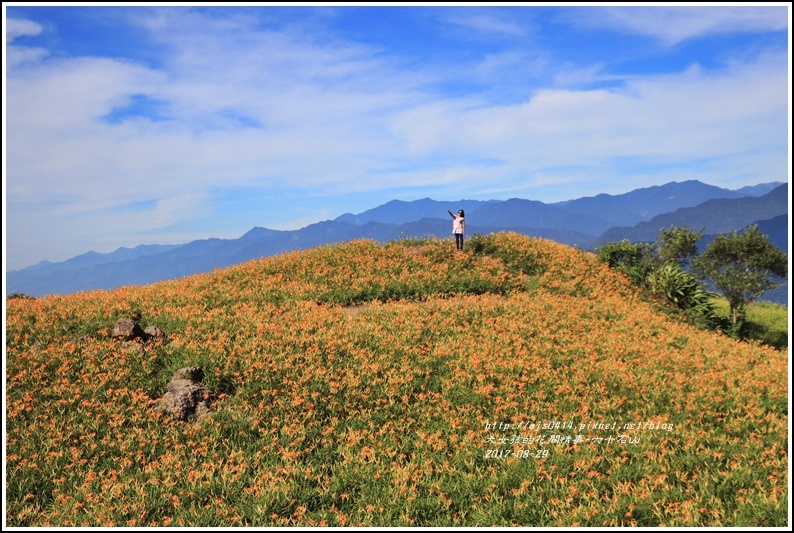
458	228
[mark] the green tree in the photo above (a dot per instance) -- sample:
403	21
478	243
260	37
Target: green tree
742	267
677	244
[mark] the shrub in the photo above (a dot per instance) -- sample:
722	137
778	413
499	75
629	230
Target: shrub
19	296
677	286
634	260
685	292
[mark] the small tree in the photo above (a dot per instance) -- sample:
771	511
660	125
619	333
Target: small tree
677	244
742	267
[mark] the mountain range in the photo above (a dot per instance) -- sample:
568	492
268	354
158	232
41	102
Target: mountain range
584	222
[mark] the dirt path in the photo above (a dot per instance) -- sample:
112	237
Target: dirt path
353	310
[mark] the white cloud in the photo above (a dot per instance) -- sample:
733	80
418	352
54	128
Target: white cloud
647	116
674	24
485	22
662	122
175	209
20	28
16	56
19	55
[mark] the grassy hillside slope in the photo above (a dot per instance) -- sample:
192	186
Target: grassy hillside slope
518	383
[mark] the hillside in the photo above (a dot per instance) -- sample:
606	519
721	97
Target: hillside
521	382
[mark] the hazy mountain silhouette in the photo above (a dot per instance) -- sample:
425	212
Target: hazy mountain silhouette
713	217
643	204
591	212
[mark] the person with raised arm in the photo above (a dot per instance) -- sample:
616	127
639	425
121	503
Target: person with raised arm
458	228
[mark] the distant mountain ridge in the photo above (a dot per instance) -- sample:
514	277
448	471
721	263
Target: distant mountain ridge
648	202
400	211
583	222
631	207
94	258
713	216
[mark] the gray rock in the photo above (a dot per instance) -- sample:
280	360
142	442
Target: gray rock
153	332
185	397
127	329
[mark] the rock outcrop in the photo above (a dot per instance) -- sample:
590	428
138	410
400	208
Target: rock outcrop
127	329
185	397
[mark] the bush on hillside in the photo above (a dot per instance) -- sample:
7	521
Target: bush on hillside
19	295
686	292
635	260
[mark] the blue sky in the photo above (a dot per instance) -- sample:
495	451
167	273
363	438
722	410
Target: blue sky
127	125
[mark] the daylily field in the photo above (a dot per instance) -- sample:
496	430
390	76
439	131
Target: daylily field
520	382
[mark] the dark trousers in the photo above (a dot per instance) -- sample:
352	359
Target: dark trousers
459	241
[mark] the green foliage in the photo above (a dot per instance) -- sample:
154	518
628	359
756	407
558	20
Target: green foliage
19	295
677	244
635	260
742	267
679	287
